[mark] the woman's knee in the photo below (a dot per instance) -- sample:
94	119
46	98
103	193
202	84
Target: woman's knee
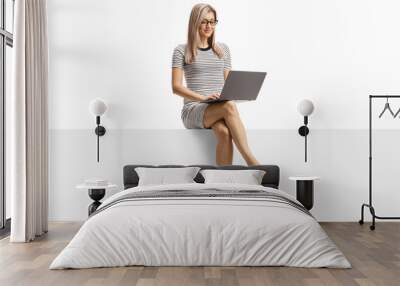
230	107
222	131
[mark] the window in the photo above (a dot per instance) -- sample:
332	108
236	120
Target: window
6	44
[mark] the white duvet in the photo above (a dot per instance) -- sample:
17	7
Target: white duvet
200	231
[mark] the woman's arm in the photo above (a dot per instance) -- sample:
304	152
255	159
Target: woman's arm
227	60
226	72
179	89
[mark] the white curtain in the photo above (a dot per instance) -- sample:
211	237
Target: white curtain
28	121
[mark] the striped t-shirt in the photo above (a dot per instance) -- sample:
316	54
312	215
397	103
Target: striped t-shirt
206	74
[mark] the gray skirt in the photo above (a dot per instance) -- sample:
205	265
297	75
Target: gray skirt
192	115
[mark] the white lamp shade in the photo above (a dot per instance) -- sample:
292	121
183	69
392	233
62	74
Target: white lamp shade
97	107
305	107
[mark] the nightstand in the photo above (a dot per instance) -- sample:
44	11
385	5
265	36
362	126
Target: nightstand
96	193
305	190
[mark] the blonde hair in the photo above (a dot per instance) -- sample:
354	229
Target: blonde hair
199	12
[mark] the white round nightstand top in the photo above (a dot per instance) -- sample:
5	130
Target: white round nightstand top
85	186
301	178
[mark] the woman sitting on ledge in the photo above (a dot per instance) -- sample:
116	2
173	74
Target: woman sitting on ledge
206	65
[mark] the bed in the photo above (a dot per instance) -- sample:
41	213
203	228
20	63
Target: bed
201	224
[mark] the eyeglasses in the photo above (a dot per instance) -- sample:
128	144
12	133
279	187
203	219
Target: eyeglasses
212	23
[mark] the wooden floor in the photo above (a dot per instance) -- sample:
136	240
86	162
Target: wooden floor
375	257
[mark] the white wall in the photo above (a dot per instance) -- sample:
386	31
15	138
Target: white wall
333	52
339	157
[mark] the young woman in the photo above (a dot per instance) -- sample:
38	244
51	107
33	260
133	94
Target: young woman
206	65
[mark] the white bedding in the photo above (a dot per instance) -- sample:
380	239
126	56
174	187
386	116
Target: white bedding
200	231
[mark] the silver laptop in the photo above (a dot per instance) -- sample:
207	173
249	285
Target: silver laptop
240	85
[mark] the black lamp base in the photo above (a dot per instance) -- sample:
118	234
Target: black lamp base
100	130
303	130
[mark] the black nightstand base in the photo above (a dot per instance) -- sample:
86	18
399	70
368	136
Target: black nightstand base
96	195
305	193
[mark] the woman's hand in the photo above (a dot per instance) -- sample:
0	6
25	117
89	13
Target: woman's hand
212	96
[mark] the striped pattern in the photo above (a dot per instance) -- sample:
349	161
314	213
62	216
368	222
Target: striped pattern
206	74
206	194
192	115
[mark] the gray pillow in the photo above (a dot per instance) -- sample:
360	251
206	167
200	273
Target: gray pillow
162	176
249	177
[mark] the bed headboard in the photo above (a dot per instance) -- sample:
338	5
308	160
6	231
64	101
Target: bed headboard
270	179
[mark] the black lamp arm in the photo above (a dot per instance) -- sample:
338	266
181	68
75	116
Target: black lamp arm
303	131
99	131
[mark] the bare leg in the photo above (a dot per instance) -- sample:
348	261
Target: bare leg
228	111
224	150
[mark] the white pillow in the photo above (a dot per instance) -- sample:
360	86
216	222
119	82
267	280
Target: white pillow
249	177
162	176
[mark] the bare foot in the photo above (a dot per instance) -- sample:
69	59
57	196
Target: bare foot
253	162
